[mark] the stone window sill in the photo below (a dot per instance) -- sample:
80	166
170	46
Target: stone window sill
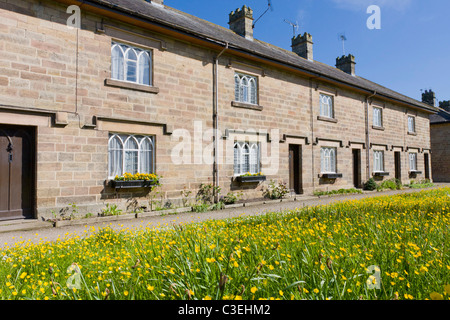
380	174
131	86
327	119
378	128
244	105
412	133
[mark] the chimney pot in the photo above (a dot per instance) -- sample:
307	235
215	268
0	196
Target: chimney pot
160	2
346	64
241	22
303	46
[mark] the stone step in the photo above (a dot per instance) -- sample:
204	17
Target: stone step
23	225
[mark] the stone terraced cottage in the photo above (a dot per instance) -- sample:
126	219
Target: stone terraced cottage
142	87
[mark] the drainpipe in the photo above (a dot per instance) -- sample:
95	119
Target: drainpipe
216	119
367	137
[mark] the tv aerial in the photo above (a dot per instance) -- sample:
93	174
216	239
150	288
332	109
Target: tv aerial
269	7
342	38
294	26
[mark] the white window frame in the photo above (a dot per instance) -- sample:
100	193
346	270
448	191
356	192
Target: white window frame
411	124
124	64
245	88
247	158
328	159
122	139
378	161
413	161
326	106
378	117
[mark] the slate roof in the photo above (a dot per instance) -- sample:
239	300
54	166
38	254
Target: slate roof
441	117
181	21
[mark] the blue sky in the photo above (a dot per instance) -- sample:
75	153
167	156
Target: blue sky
410	52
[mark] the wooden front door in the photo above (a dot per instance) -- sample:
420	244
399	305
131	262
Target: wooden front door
357	168
295	169
398	165
17	160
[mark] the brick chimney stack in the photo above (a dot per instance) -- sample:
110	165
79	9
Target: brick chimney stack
241	22
346	64
429	97
303	46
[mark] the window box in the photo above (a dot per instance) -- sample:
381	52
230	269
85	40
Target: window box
380	174
250	179
331	175
135	184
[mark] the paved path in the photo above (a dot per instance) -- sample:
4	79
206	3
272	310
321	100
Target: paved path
52	234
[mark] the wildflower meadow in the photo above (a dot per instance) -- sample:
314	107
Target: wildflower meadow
382	248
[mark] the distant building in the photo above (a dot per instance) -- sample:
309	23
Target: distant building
440	138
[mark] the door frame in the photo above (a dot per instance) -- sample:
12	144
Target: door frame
295	169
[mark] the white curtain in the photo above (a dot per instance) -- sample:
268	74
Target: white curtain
378	161
328	160
146	156
117	63
131	65
237	157
115	156
254	159
131	155
252	91
144	68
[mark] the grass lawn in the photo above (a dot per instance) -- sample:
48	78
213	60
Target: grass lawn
391	247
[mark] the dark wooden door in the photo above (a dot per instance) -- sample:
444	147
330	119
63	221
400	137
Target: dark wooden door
17	159
398	165
427	166
357	168
295	169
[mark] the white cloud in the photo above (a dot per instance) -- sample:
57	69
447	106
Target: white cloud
357	5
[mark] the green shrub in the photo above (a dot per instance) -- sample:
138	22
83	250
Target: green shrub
392	184
370	185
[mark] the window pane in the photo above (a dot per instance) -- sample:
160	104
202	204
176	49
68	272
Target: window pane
115	156
326	106
117	63
377	117
252	91
131	64
328	160
244	87
131	155
245	164
144	68
378	161
254	159
333	160
237	159
146	156
237	88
